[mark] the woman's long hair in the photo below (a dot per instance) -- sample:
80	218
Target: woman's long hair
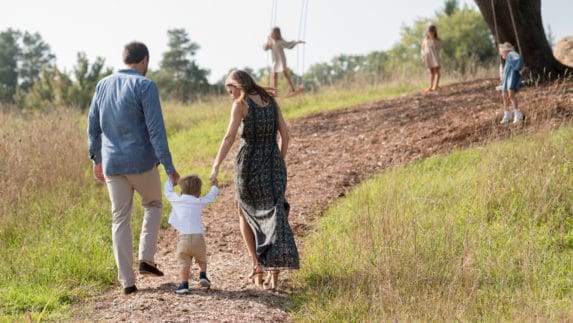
247	85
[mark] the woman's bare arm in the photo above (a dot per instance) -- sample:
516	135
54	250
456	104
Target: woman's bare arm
237	114
283	132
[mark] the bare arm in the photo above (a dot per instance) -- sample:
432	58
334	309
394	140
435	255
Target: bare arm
237	114
283	132
291	44
268	45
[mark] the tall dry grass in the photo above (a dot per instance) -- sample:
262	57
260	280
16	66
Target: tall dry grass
55	213
49	205
37	153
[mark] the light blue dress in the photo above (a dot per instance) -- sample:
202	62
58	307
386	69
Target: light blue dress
511	79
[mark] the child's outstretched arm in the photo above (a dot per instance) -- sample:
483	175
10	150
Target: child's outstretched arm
268	45
169	192
210	197
291	44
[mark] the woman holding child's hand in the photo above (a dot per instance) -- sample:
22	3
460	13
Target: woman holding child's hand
260	177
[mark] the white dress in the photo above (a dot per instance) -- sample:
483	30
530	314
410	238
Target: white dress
278	53
431	52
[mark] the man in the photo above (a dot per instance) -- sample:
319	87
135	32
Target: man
127	140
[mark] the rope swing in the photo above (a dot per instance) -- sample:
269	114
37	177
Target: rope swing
496	36
514	28
273	24
274	13
525	70
300	51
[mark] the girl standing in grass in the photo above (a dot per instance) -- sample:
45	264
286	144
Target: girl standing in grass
431	56
277	44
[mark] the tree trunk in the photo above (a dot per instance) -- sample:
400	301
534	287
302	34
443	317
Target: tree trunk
531	42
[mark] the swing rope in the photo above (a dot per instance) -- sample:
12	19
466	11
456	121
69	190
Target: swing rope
525	70
525	73
514	28
301	36
272	25
274	13
496	36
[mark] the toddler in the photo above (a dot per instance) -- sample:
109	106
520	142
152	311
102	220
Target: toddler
186	219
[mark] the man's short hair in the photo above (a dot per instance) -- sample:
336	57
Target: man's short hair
134	53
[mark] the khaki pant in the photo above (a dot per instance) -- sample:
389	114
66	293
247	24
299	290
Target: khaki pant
120	189
191	246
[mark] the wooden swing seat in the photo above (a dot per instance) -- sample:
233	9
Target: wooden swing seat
295	93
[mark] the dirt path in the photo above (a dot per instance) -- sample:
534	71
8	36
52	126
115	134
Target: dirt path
330	153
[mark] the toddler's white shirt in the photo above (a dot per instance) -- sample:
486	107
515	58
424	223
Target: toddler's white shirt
186	209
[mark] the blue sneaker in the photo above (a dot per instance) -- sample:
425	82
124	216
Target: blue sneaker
204	282
183	288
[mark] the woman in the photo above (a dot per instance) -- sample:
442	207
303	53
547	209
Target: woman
431	56
260	177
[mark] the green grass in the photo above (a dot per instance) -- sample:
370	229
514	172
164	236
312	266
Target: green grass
196	131
55	226
55	252
479	235
337	97
483	234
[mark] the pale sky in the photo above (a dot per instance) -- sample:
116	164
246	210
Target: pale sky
231	32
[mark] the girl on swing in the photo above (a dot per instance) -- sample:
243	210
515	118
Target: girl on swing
277	44
510	81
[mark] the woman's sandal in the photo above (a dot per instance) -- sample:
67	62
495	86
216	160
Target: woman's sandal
272	280
257	275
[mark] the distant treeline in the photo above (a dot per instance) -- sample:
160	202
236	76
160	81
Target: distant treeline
30	79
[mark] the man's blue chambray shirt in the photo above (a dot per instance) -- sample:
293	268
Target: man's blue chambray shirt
126	131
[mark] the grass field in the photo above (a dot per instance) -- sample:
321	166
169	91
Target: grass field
484	234
479	235
55	237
